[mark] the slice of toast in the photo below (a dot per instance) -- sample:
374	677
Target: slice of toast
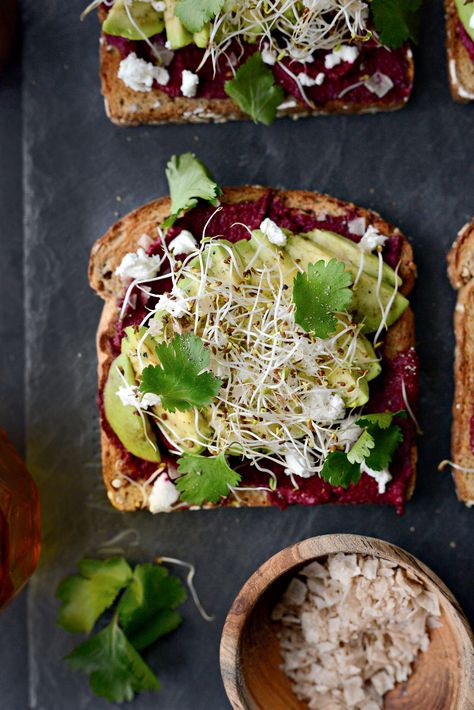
124	236
460	64
461	275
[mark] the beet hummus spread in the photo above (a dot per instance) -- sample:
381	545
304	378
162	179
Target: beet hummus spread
396	386
466	40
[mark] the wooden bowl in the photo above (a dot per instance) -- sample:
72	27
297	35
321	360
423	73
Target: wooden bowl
443	677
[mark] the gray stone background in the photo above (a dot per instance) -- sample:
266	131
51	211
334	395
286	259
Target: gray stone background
65	175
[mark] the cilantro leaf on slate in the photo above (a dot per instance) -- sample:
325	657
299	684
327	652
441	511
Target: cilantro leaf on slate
146	609
396	21
386	442
116	671
338	471
361	449
87	595
319	293
206	479
189	181
254	90
179	379
380	419
194	15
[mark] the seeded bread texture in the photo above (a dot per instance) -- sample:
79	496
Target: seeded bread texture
460	65
461	275
123	237
126	107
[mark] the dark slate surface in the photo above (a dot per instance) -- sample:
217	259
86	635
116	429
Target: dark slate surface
415	167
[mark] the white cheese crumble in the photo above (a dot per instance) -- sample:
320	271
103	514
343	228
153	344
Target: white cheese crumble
268	55
189	83
324	406
174	303
344	53
138	265
371	240
343	630
139	75
306	80
184	243
379	84
297	465
130	396
382	477
273	233
163	495
357	226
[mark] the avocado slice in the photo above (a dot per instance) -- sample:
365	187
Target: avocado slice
366	358
357	387
201	39
176	33
268	254
182	423
217	259
148	20
343	248
466	12
365	306
124	419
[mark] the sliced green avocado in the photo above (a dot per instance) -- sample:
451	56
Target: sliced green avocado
182	423
124	419
366	358
365	305
345	249
217	260
149	21
201	39
176	33
258	251
466	13
357	387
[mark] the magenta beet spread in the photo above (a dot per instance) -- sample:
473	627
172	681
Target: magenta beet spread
386	391
342	79
466	40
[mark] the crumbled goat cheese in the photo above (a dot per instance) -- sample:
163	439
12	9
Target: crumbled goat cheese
139	75
297	465
268	55
382	477
273	233
163	495
189	83
156	5
323	406
343	630
306	80
131	396
344	53
357	226
379	84
174	303
184	243
138	265
371	240
349	433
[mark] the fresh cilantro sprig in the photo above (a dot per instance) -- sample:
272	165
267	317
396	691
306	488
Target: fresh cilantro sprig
179	378
396	21
194	15
254	90
145	611
375	448
189	181
206	479
319	293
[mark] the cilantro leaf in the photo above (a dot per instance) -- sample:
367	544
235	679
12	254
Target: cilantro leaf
189	181
339	471
396	21
146	609
179	379
361	449
319	293
381	419
254	90
116	671
87	595
207	478
194	15
386	442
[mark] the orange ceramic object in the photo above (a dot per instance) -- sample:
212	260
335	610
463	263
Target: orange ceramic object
19	523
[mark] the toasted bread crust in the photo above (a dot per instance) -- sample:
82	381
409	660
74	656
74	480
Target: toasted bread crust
126	107
123	236
461	275
460	65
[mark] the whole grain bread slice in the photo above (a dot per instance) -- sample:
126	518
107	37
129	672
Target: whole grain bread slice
461	275
460	65
126	107
124	236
